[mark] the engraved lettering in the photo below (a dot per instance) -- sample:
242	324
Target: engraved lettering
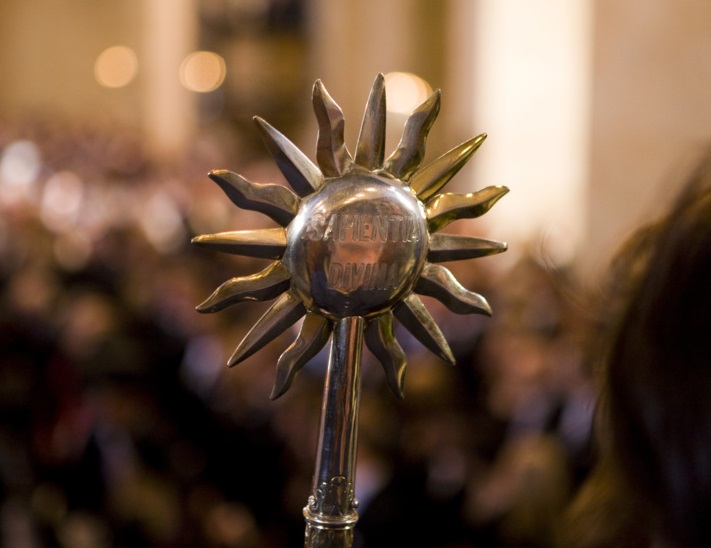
347	278
335	274
357	222
365	229
380	228
346	223
395	226
342	227
377	279
369	276
366	276
358	271
414	235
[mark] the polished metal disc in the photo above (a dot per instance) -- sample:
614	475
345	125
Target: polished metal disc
357	246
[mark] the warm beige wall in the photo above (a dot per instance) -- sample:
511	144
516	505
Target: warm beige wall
350	42
651	110
47	54
651	83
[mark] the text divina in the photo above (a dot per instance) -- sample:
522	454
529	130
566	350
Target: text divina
370	276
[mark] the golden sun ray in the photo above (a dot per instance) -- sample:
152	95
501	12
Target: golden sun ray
262	286
284	313
356	237
331	152
409	153
414	316
370	149
313	336
275	201
303	176
381	341
266	243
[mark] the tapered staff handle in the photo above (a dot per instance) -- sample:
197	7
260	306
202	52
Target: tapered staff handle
331	513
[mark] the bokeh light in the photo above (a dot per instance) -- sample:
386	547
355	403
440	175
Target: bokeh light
62	200
20	165
202	71
406	91
162	223
116	67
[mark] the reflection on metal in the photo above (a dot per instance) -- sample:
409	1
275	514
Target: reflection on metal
331	510
356	243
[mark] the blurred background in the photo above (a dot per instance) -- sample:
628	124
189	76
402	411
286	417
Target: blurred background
120	424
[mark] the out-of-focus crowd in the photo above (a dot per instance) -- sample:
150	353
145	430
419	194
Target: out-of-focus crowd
121	426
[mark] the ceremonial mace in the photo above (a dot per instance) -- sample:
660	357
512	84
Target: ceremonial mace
357	241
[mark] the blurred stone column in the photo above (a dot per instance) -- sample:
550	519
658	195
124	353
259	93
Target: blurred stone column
170	33
521	72
352	41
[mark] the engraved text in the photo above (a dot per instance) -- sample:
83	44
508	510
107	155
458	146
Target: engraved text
352	276
362	228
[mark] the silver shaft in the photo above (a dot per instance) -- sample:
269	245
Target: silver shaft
331	510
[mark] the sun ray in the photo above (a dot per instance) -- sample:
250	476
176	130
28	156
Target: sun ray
300	172
438	282
454	247
286	311
380	339
275	201
313	336
446	208
332	155
265	243
409	153
370	149
430	179
414	316
262	286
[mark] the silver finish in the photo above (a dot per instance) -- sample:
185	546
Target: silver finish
357	246
331	151
438	282
313	336
455	247
415	317
411	150
357	240
303	176
262	286
331	512
446	208
284	313
381	341
429	180
276	201
370	149
266	243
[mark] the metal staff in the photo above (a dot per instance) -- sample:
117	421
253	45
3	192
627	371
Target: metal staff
357	241
331	510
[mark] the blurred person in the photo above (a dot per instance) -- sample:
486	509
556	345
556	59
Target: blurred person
652	486
536	388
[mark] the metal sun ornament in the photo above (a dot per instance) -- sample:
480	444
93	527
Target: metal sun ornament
357	237
357	242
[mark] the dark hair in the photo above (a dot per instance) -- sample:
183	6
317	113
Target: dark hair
655	406
659	371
